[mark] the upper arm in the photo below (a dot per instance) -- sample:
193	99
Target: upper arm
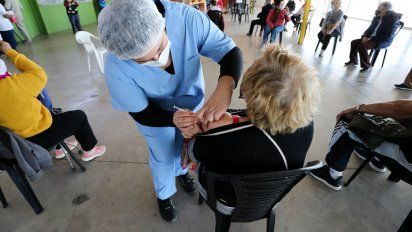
211	41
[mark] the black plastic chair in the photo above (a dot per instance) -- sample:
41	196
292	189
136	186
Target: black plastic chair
18	177
398	172
375	52
258	195
336	37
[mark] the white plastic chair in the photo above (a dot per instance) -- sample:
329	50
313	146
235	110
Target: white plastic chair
84	37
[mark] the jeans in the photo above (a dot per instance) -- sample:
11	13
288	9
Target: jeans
8	36
75	22
273	33
64	125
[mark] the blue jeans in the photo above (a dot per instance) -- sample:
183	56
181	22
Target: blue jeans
273	33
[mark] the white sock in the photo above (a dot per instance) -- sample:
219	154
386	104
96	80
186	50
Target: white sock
335	174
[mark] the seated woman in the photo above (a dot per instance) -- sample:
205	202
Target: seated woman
25	115
344	142
274	133
331	25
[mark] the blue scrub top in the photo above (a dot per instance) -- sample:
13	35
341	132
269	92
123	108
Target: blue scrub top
192	34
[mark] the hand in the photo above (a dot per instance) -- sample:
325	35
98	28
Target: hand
184	120
192	132
218	103
345	112
4	46
365	39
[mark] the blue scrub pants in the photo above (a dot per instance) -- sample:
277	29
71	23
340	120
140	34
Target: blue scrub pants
273	33
165	147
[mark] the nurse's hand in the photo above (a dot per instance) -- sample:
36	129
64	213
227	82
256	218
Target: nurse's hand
218	103
185	120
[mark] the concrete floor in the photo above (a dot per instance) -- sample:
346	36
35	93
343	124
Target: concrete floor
119	184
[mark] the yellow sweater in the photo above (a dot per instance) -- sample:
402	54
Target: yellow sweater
20	111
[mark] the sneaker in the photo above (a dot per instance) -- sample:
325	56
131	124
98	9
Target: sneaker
365	69
403	86
351	63
61	153
322	174
187	182
167	210
321	53
375	164
94	153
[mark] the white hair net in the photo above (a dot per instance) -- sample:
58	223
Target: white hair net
130	28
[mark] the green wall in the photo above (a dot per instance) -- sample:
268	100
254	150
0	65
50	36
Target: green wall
55	17
30	21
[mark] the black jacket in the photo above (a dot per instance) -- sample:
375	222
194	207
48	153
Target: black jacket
386	31
264	13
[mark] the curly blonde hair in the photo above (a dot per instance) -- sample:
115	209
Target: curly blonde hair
281	91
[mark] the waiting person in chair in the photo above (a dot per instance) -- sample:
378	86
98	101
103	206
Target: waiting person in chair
344	142
22	113
261	18
275	131
73	14
215	15
379	35
17	7
275	22
331	25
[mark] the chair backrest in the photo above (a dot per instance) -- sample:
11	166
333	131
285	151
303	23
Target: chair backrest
216	17
257	194
84	37
311	14
401	24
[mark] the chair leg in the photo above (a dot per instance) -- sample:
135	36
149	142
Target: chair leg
64	145
3	199
375	56
19	179
407	223
334	45
222	222
270	227
317	45
280	37
384	57
88	62
359	170
200	200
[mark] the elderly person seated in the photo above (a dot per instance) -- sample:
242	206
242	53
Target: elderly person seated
331	25
344	142
379	35
274	133
275	21
25	115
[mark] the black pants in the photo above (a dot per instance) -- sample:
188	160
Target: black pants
65	125
356	46
338	157
295	19
254	23
8	36
325	39
75	22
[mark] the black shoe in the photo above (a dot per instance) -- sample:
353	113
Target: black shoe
375	164
248	34
365	69
322	174
167	209
351	63
403	86
187	182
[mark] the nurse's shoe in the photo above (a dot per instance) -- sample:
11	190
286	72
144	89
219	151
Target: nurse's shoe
187	182
167	210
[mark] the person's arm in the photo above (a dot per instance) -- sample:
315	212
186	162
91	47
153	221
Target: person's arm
268	21
66	3
333	27
32	77
388	32
287	18
398	110
371	27
215	44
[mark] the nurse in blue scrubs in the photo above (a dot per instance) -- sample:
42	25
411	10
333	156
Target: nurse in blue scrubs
154	64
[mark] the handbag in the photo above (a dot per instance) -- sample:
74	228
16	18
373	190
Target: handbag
374	130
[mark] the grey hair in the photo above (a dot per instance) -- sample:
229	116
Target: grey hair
387	5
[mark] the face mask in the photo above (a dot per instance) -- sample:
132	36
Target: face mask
163	58
282	5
